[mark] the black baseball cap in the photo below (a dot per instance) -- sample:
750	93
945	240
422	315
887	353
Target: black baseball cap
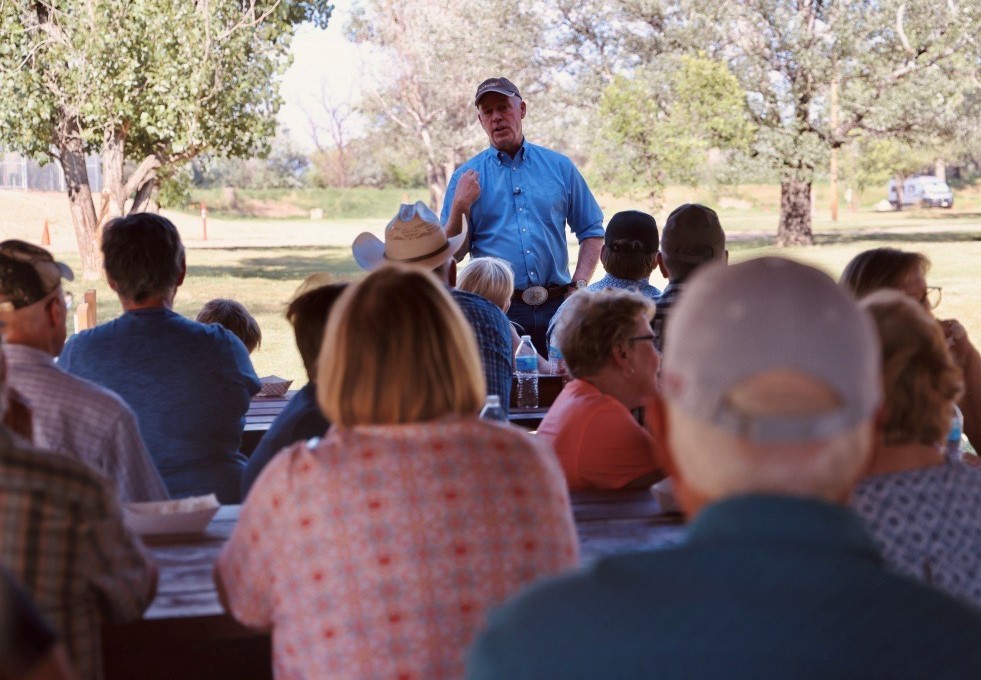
634	225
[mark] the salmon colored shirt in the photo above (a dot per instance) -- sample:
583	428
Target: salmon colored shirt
378	553
597	440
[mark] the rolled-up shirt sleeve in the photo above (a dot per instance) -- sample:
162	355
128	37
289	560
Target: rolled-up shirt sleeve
585	216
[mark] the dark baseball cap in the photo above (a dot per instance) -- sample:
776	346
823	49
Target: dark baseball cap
499	85
28	273
634	225
734	323
693	234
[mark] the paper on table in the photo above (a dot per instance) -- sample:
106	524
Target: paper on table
182	516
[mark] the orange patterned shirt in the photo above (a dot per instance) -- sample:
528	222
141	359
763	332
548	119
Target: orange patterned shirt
378	553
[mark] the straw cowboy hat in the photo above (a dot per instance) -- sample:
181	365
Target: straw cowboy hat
414	236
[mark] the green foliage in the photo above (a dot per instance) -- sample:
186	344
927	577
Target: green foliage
659	124
171	79
282	167
348	203
175	186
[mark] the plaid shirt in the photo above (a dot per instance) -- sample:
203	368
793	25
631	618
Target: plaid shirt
493	332
87	422
63	537
664	303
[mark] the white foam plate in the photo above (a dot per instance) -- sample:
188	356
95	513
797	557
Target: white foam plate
184	516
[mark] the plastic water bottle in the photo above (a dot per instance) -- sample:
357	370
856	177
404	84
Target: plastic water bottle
954	436
555	360
526	365
492	409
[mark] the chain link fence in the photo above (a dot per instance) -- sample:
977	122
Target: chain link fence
21	173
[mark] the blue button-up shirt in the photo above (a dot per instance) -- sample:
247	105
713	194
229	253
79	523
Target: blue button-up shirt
524	205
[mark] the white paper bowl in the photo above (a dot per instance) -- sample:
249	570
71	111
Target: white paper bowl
184	516
274	386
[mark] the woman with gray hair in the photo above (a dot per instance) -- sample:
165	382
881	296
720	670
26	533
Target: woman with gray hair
608	346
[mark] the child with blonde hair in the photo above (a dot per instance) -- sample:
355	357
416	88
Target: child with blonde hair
493	279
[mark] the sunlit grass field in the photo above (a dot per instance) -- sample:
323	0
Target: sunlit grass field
261	262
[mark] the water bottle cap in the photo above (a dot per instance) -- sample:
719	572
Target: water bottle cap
493	400
526	337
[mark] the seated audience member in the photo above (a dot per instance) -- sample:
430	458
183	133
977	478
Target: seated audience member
628	255
493	279
415	237
64	539
771	387
301	419
29	647
412	515
606	340
70	415
692	237
880	268
189	384
922	510
235	317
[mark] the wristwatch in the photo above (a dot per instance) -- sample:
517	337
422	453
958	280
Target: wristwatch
580	284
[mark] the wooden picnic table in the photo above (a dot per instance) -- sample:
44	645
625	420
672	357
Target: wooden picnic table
263	411
186	634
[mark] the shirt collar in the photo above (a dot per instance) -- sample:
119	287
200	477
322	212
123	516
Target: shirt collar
500	156
770	521
625	283
22	355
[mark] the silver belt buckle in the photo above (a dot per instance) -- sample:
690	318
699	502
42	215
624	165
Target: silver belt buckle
534	296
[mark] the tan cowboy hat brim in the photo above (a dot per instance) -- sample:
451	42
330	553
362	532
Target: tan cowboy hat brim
369	251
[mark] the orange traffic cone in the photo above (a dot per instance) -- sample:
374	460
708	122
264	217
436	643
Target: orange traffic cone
45	235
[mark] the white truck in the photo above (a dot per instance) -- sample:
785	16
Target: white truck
925	191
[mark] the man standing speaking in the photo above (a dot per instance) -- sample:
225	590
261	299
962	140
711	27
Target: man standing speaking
518	198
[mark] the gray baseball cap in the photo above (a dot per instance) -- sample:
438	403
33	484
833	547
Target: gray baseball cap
734	323
693	234
499	85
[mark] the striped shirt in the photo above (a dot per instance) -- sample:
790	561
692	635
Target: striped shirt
87	422
63	537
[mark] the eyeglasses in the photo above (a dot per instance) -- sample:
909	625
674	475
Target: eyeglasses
642	337
931	297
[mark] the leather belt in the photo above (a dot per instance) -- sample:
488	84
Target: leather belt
538	295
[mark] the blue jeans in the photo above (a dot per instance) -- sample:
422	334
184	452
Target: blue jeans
533	321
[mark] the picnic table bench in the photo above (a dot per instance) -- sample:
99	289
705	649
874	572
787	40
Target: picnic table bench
263	411
186	633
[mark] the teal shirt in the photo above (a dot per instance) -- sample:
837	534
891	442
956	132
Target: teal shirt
189	385
764	587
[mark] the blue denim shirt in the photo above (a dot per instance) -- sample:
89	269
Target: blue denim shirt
524	205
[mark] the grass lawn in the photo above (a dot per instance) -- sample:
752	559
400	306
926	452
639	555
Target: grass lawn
261	261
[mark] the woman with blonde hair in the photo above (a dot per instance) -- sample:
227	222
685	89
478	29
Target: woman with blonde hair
891	268
377	551
608	347
921	508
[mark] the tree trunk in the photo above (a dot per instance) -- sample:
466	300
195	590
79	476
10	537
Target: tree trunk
113	187
899	191
795	214
143	202
940	169
833	181
87	231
